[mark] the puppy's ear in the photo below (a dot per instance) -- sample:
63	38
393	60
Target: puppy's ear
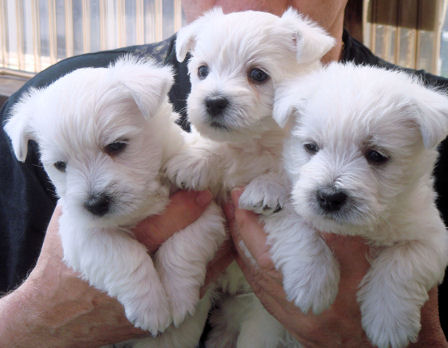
18	126
147	82
310	41
286	105
186	37
431	115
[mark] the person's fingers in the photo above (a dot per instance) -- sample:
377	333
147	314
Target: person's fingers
224	256
341	244
262	280
247	232
252	251
184	208
348	249
268	287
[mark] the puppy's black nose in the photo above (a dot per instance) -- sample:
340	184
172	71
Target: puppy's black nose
216	105
98	204
331	199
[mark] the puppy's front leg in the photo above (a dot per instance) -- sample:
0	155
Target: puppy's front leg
197	166
182	260
310	271
113	262
394	290
266	194
187	335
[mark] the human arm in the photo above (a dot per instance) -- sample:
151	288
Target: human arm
56	308
340	325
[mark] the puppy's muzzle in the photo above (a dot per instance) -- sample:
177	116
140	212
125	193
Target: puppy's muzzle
98	204
331	199
216	105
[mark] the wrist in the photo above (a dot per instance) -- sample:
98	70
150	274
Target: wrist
56	308
17	317
63	313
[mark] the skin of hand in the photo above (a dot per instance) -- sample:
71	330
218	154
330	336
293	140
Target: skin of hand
338	326
56	308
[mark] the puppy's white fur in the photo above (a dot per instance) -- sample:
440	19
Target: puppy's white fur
242	145
231	46
74	120
373	136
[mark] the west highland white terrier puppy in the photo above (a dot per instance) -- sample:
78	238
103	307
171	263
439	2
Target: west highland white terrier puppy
362	147
103	135
236	61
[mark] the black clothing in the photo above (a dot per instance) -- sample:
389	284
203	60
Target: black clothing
27	198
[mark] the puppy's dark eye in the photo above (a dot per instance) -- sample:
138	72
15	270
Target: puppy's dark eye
258	75
202	72
311	148
374	157
60	165
115	148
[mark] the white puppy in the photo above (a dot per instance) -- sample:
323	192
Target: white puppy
360	156
103	135
236	61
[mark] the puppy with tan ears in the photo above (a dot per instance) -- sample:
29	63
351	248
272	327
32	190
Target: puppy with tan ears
236	61
362	147
103	135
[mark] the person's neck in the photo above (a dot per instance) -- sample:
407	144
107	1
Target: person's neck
336	32
334	54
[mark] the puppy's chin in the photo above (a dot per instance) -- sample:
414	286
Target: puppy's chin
332	224
244	118
220	132
119	215
349	221
231	130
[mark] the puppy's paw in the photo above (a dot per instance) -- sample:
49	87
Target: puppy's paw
390	323
183	303
385	333
149	314
313	286
264	195
183	295
188	171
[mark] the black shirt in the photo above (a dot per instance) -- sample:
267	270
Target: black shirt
27	198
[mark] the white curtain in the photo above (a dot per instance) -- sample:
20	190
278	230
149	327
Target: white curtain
37	33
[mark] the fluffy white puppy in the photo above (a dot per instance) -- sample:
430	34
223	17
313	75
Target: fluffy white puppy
103	135
360	155
236	61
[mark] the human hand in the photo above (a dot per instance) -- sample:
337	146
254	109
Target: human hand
338	326
56	308
153	231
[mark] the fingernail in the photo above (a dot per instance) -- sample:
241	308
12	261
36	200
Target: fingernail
204	198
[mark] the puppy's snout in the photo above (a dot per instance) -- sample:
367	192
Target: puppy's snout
98	204
216	105
331	199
